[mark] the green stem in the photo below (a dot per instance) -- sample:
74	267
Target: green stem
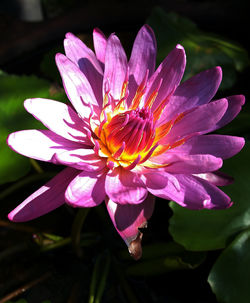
57	244
36	166
18	226
103	279
94	279
86	240
76	229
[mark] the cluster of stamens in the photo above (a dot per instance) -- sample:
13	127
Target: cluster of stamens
128	137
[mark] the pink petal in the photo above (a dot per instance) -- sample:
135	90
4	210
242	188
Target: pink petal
196	91
235	104
192	192
115	67
162	184
77	87
59	118
199	120
100	43
170	71
199	194
217	178
86	190
76	50
83	159
86	60
217	145
47	198
188	164
127	220
142	59
40	144
124	187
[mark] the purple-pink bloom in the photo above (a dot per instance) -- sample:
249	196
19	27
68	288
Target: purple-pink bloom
130	133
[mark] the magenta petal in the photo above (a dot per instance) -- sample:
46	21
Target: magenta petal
100	43
40	144
142	59
170	72
65	123
199	194
196	91
47	198
217	145
163	185
85	58
77	87
86	190
235	104
76	51
199	120
128	218
124	187
115	67
217	178
82	159
188	164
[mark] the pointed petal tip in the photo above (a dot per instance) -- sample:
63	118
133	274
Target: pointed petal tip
96	30
242	142
148	28
218	68
181	52
15	216
218	71
11	141
11	216
69	35
27	104
113	36
180	47
60	58
242	99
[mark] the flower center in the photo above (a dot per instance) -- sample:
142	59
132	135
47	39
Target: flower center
129	134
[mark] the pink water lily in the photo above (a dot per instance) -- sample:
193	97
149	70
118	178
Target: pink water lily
130	133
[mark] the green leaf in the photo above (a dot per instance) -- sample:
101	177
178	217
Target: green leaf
213	229
14	90
204	50
230	275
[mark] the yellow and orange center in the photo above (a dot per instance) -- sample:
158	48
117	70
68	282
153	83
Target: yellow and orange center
129	137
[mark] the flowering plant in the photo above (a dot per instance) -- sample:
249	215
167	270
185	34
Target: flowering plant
132	133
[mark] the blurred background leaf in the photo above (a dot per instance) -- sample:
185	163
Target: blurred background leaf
161	258
213	229
204	50
14	90
230	275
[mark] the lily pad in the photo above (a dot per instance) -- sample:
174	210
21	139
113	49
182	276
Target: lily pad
14	90
230	275
214	229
